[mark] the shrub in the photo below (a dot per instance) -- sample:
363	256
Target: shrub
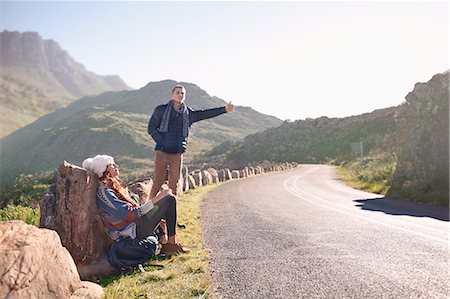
27	214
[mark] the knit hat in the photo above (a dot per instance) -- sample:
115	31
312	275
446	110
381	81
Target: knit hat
98	164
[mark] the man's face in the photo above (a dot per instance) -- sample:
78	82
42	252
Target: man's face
178	95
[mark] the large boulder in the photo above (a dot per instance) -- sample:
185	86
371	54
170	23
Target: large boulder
34	264
70	209
235	174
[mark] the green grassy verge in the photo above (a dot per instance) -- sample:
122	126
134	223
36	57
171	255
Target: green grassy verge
370	174
182	276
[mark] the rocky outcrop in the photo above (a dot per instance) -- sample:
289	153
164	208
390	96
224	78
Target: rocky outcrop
70	209
34	264
423	142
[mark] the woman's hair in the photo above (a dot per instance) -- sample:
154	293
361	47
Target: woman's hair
116	184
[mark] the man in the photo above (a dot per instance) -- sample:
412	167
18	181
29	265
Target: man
169	126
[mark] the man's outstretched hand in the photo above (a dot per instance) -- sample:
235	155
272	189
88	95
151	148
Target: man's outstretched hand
229	107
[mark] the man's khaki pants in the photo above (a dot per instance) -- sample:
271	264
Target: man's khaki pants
164	161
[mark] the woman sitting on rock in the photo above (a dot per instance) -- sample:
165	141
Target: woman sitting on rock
121	212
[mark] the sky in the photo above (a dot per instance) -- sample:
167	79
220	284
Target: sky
293	60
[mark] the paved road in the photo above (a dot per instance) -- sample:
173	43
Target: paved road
304	234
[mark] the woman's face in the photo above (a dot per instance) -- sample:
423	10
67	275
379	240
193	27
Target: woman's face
113	170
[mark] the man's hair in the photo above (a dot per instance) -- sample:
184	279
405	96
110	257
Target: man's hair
178	86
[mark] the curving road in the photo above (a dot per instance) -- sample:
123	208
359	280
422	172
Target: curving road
304	234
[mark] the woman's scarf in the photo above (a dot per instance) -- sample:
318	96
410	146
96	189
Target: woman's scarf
164	126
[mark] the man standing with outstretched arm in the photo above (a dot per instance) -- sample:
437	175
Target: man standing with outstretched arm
169	126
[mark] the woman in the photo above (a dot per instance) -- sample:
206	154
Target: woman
121	212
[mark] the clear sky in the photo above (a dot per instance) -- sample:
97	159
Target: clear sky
292	60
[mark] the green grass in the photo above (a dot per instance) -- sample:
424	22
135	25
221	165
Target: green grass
27	214
370	174
182	276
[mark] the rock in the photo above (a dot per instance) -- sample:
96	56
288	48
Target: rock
142	188
89	290
221	175
72	212
206	177
185	178
259	170
422	143
197	174
235	174
227	176
191	182
36	265
214	174
242	173
179	186
247	173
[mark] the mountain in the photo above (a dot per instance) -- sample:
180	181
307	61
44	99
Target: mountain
115	123
414	135
37	76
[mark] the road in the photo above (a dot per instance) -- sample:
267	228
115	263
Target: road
305	234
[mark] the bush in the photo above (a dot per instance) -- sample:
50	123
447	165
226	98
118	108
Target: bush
27	190
27	214
373	174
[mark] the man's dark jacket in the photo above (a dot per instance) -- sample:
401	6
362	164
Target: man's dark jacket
173	140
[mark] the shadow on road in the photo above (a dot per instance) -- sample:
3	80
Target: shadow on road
400	207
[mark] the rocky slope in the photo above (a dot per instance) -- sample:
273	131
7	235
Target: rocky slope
37	76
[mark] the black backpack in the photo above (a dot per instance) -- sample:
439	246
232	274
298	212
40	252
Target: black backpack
127	253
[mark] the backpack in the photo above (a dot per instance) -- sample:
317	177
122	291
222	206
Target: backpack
127	253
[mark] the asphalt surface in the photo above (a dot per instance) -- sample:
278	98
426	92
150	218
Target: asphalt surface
305	234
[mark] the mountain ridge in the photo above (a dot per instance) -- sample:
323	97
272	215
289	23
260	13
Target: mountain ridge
116	123
38	76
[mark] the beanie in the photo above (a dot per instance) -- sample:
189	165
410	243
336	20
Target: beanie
98	164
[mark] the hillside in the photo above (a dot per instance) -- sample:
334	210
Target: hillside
37	76
413	137
422	146
307	141
116	123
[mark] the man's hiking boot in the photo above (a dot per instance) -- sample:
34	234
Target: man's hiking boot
170	249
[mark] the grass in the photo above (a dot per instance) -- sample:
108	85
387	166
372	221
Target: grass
27	214
182	276
370	174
